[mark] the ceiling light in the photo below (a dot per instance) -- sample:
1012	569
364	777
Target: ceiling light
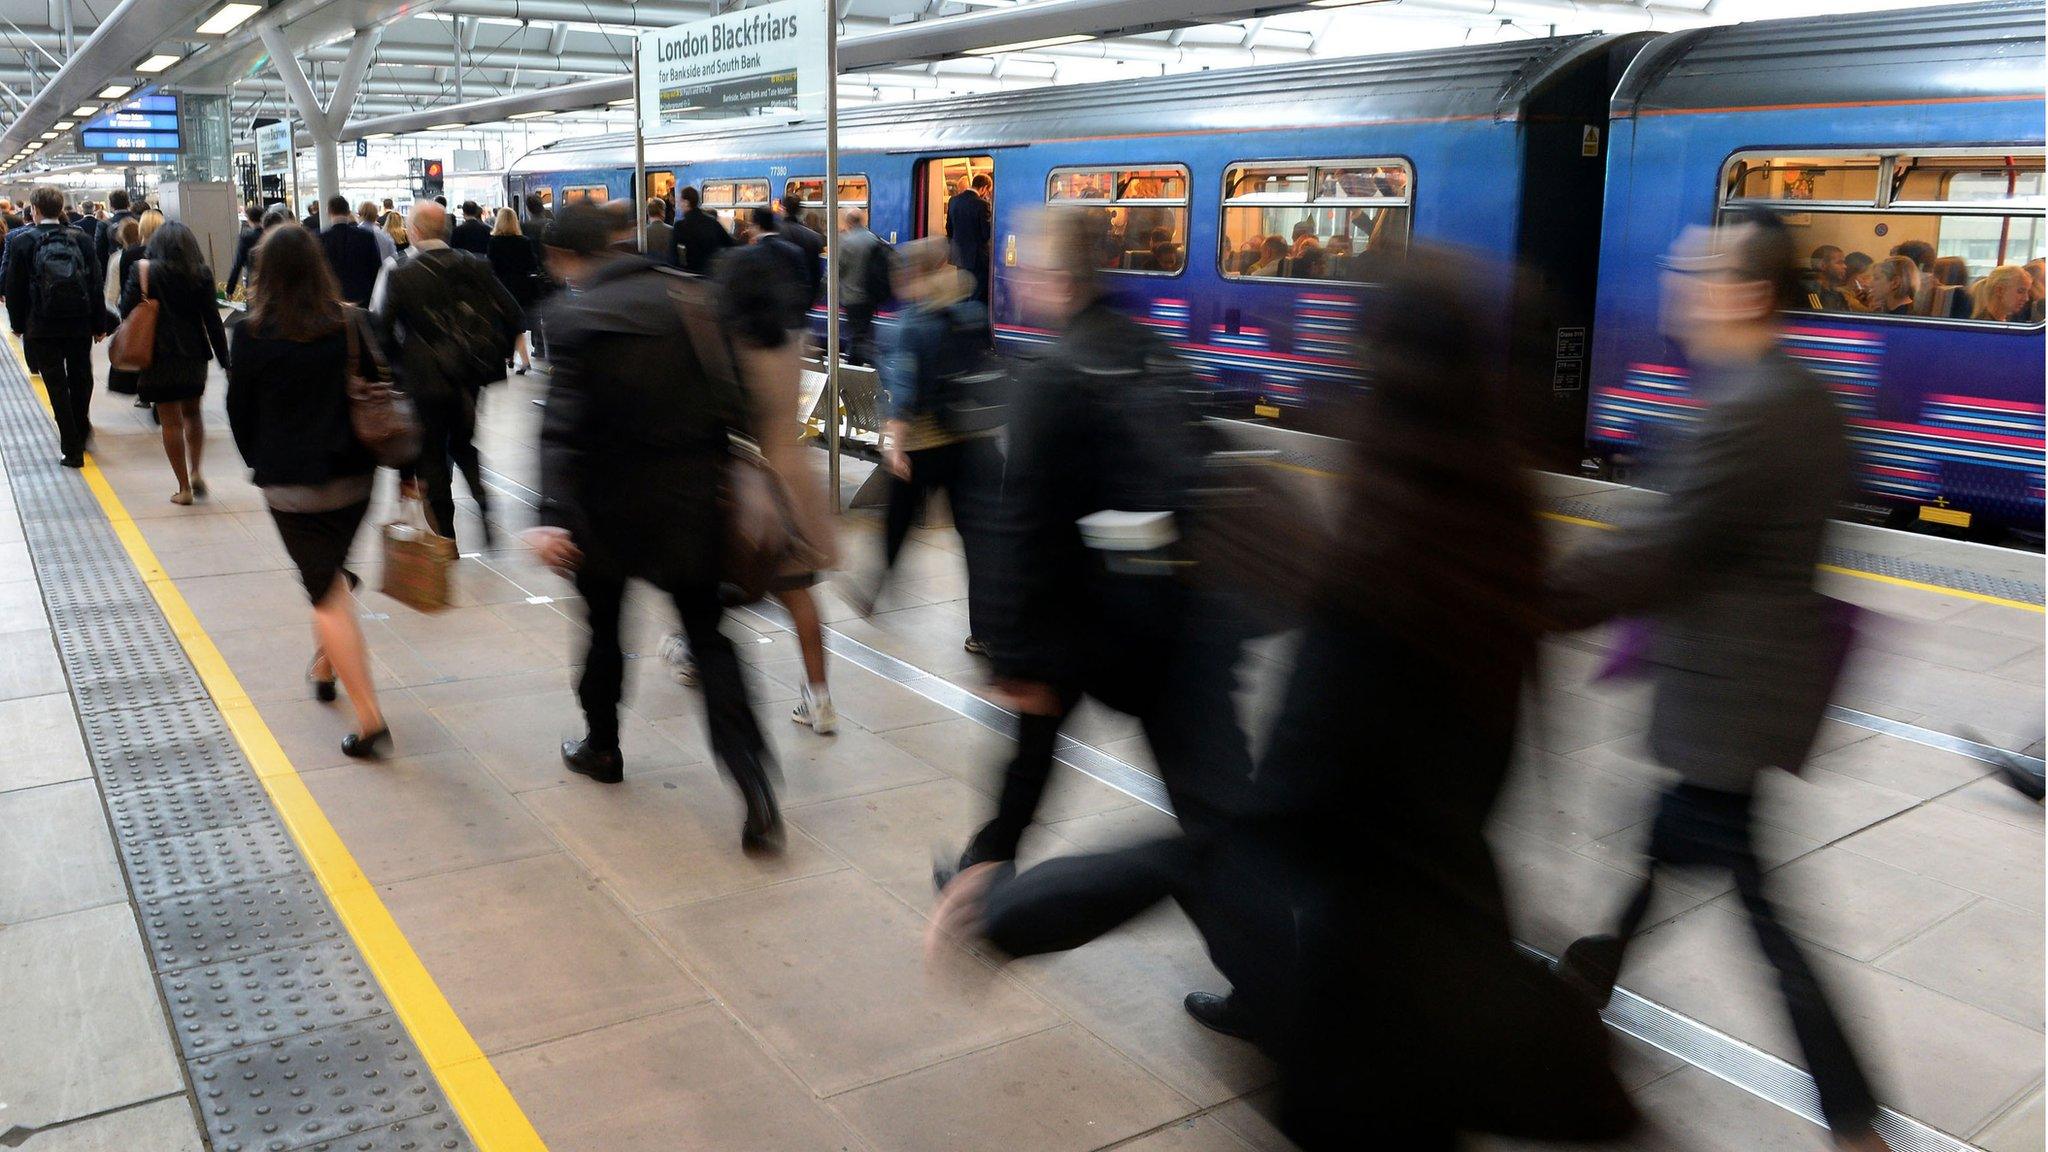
531	115
65	125
380	135
227	18
85	110
157	63
621	103
1339	3
116	91
1027	45
50	135
444	127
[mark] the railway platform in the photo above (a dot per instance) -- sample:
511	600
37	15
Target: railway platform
218	932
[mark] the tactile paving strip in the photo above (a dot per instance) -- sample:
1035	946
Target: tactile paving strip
288	1040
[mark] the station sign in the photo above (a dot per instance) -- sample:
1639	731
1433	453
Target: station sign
758	61
274	153
144	124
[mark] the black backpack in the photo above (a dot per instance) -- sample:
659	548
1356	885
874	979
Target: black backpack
878	278
464	329
62	291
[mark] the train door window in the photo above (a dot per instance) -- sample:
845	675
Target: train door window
662	186
1942	235
726	199
938	181
585	194
1142	214
853	193
1328	220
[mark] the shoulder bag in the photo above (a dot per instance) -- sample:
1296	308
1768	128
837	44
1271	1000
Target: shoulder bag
133	348
381	416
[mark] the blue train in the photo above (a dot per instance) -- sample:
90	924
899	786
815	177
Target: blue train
1243	212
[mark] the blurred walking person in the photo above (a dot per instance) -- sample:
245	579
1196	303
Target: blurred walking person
288	408
513	263
633	446
1745	647
188	337
866	276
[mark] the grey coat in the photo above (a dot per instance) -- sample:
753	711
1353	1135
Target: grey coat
1742	654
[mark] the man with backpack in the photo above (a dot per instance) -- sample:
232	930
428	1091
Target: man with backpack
55	304
866	275
448	329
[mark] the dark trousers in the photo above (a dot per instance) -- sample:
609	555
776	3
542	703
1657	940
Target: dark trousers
735	737
966	471
65	364
1703	827
447	444
860	333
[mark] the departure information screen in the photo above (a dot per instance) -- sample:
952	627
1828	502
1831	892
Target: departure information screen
146	124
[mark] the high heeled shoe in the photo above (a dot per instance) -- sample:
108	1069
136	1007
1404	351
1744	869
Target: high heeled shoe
366	747
323	690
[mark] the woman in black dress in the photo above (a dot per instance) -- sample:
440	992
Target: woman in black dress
127	238
189	336
289	409
513	263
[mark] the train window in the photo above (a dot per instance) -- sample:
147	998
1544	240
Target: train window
1313	220
853	193
725	198
1967	226
585	194
1142	212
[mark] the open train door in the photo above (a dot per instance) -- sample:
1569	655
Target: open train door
941	179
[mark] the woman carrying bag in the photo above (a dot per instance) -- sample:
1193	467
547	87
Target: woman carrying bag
289	408
173	276
513	263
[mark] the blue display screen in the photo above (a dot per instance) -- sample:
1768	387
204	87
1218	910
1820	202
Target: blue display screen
145	124
139	157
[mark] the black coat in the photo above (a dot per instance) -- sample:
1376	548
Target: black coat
410	313
634	437
103	241
812	246
514	264
352	254
471	236
288	406
245	249
188	326
698	240
21	273
968	229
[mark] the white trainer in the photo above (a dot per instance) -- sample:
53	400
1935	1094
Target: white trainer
675	652
817	712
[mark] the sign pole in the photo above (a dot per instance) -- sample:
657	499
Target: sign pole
832	245
291	137
639	157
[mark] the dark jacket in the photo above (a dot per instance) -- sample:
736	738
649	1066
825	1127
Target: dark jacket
353	256
698	240
930	345
513	263
762	296
103	242
471	236
1725	567
661	242
812	246
288	406
188	326
21	274
968	229
634	436
416	293
245	247
1104	419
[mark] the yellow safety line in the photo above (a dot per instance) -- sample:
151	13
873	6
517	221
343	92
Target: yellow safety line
473	1087
1900	581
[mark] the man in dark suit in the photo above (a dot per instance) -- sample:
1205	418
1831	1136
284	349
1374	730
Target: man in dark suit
807	240
103	246
698	236
472	235
312	219
969	226
351	253
1746	648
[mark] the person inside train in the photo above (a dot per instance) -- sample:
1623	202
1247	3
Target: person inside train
1951	277
1894	286
1306	254
1921	253
1856	282
1272	258
1338	262
2037	290
1822	285
1744	648
969	227
1165	256
2005	296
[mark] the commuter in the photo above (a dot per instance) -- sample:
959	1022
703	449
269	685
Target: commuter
1921	253
970	227
633	443
1338	262
2004	296
173	273
941	337
1895	286
2037	277
1745	649
273	216
1165	257
448	328
1857	282
1951	278
443	202
806	240
128	248
55	303
245	243
1822	286
698	236
312	218
1306	255
661	237
103	243
472	235
1272	259
350	252
866	268
288	408
371	221
512	262
394	227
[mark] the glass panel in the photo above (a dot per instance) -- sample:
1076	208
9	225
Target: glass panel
1291	183
1152	184
1080	185
1991	183
1335	243
585	194
1835	179
853	191
1942	267
811	191
1140	238
1362	182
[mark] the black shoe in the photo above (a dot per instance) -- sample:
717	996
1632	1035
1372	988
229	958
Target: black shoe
1225	1014
603	765
975	647
323	690
1590	967
365	747
762	831
73	460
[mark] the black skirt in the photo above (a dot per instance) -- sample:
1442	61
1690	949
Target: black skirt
169	380
318	542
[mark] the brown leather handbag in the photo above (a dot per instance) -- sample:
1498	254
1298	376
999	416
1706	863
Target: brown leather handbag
133	348
381	416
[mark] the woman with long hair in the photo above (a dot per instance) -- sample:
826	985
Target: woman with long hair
394	227
188	336
128	243
1894	285
2006	295
512	262
289	408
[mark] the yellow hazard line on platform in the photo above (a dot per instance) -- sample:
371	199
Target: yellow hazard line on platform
1896	581
473	1087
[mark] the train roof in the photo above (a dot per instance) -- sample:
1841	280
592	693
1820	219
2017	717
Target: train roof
1950	54
1496	81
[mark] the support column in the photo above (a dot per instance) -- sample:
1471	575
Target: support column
323	124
